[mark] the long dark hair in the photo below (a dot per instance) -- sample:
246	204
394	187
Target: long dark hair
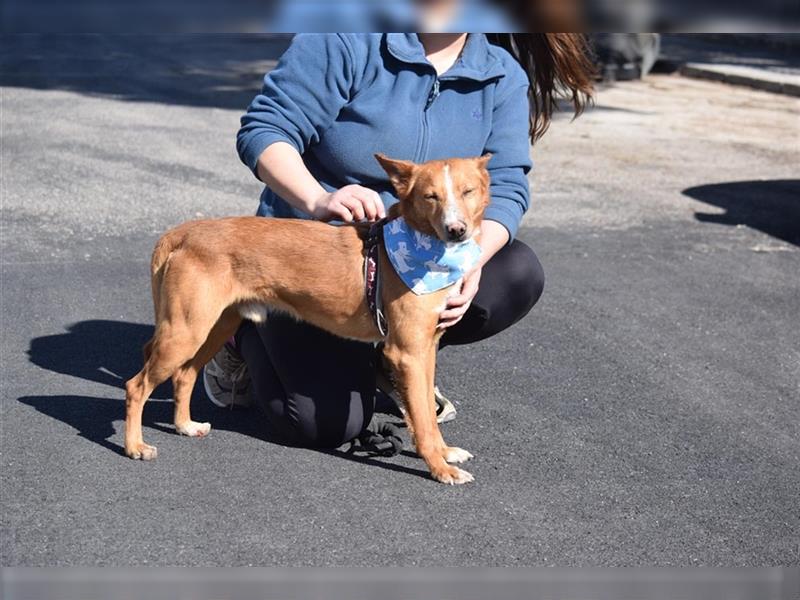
558	65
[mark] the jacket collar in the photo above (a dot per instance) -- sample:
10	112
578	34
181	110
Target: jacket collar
477	61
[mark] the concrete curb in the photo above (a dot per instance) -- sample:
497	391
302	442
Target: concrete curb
759	79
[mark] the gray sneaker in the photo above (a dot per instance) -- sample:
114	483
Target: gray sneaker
226	380
445	410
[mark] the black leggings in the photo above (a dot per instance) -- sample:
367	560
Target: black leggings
316	389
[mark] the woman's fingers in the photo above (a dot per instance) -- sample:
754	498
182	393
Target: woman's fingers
445	323
355	206
380	209
459	300
365	197
453	313
469	287
370	201
379	204
458	305
354	203
340	212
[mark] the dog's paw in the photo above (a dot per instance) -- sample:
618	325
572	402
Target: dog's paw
453	454
142	452
193	429
453	476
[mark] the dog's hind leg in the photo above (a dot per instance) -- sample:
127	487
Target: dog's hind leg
182	329
162	362
184	378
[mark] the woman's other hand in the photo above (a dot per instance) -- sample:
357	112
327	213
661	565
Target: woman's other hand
350	203
457	305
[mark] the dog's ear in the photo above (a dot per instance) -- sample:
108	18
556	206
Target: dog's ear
484	160
400	172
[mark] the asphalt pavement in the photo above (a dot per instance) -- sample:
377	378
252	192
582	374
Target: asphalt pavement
646	412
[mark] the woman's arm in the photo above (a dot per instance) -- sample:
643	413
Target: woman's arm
493	237
281	167
510	148
301	97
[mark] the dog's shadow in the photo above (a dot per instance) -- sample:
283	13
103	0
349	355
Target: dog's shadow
109	352
104	351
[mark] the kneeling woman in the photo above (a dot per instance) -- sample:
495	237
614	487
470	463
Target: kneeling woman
334	101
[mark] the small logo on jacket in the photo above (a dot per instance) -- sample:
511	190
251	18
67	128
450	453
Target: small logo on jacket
477	113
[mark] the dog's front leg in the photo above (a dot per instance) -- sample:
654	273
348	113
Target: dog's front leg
451	454
411	367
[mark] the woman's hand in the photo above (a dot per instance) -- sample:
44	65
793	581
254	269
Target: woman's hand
493	236
457	305
281	167
348	204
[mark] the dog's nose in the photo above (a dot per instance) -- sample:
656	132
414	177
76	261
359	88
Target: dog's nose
456	231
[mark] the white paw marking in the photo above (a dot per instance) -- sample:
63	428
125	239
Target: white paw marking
457	455
144	453
193	429
460	477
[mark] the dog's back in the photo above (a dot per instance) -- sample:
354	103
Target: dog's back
256	261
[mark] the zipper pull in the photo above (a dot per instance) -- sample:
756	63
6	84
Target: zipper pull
433	94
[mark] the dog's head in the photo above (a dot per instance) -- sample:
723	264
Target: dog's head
443	198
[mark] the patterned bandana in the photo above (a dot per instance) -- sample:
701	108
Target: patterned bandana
426	264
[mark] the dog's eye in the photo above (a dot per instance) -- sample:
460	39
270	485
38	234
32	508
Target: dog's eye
431	196
468	191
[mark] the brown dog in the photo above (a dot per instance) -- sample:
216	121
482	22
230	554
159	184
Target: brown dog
207	275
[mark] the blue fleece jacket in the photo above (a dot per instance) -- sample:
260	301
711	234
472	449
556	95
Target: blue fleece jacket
340	98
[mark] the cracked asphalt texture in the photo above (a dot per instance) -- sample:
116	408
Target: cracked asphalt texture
645	412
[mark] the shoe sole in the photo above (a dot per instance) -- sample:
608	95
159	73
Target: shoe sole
382	383
440	419
446	417
209	395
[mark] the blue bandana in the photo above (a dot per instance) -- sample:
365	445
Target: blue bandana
426	264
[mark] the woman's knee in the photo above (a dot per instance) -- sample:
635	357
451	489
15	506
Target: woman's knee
511	284
524	275
305	403
332	420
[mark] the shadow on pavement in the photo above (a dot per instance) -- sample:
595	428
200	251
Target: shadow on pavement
222	71
94	419
109	352
769	206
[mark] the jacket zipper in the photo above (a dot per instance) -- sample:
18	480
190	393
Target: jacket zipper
422	148
433	94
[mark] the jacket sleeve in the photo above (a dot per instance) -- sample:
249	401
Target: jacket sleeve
300	98
510	147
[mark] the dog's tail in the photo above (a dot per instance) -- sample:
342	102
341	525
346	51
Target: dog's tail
165	246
